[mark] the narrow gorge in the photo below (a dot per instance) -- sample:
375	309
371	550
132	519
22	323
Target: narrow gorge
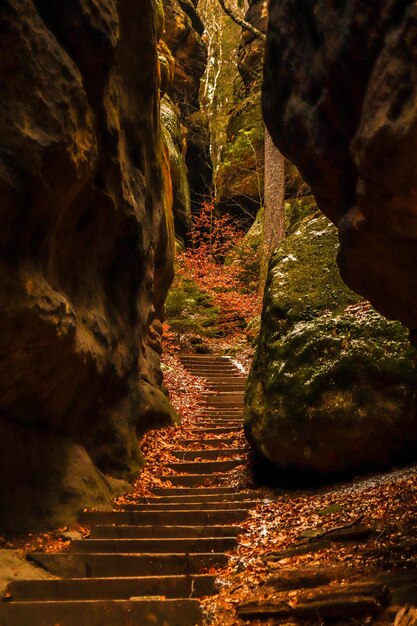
207	296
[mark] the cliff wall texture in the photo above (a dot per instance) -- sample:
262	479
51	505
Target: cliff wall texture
340	102
86	251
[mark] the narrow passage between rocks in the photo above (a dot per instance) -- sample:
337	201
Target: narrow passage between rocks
198	543
149	561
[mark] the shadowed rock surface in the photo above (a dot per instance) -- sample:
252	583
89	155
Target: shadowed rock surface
332	386
240	176
174	138
185	52
86	251
340	102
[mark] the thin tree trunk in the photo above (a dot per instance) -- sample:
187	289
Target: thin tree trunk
274	204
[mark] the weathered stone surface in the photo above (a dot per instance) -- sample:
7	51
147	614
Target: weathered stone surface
198	159
240	176
340	102
251	48
184	61
175	141
85	249
183	30
13	566
332	387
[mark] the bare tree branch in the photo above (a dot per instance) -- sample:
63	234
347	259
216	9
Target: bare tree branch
240	22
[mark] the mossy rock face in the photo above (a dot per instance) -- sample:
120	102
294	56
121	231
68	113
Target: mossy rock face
190	310
173	136
246	254
240	172
332	387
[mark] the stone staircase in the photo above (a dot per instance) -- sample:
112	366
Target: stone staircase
144	563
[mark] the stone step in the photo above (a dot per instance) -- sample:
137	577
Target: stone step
200	497
225	379
203	407
164	532
154	546
209	372
145	612
223	382
196	480
224	417
211	368
230	396
122	588
221	358
229	387
203	357
205	467
221	414
96	565
211	491
190	455
210	408
163	518
216	430
207	425
186	506
219	421
232	387
226	403
228	422
218	411
223	394
214	443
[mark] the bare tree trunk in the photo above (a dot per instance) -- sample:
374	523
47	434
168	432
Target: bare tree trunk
274	204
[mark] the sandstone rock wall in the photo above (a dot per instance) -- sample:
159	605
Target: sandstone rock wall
240	176
340	102
86	249
182	48
332	389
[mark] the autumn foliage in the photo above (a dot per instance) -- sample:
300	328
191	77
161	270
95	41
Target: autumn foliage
209	262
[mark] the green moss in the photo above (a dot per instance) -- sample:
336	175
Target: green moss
240	170
172	132
189	310
333	385
304	280
296	209
247	254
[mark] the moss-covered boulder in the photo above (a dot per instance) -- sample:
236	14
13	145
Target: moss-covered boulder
332	387
246	254
190	310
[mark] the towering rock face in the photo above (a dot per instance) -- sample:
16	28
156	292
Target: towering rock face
183	44
86	250
240	176
340	102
